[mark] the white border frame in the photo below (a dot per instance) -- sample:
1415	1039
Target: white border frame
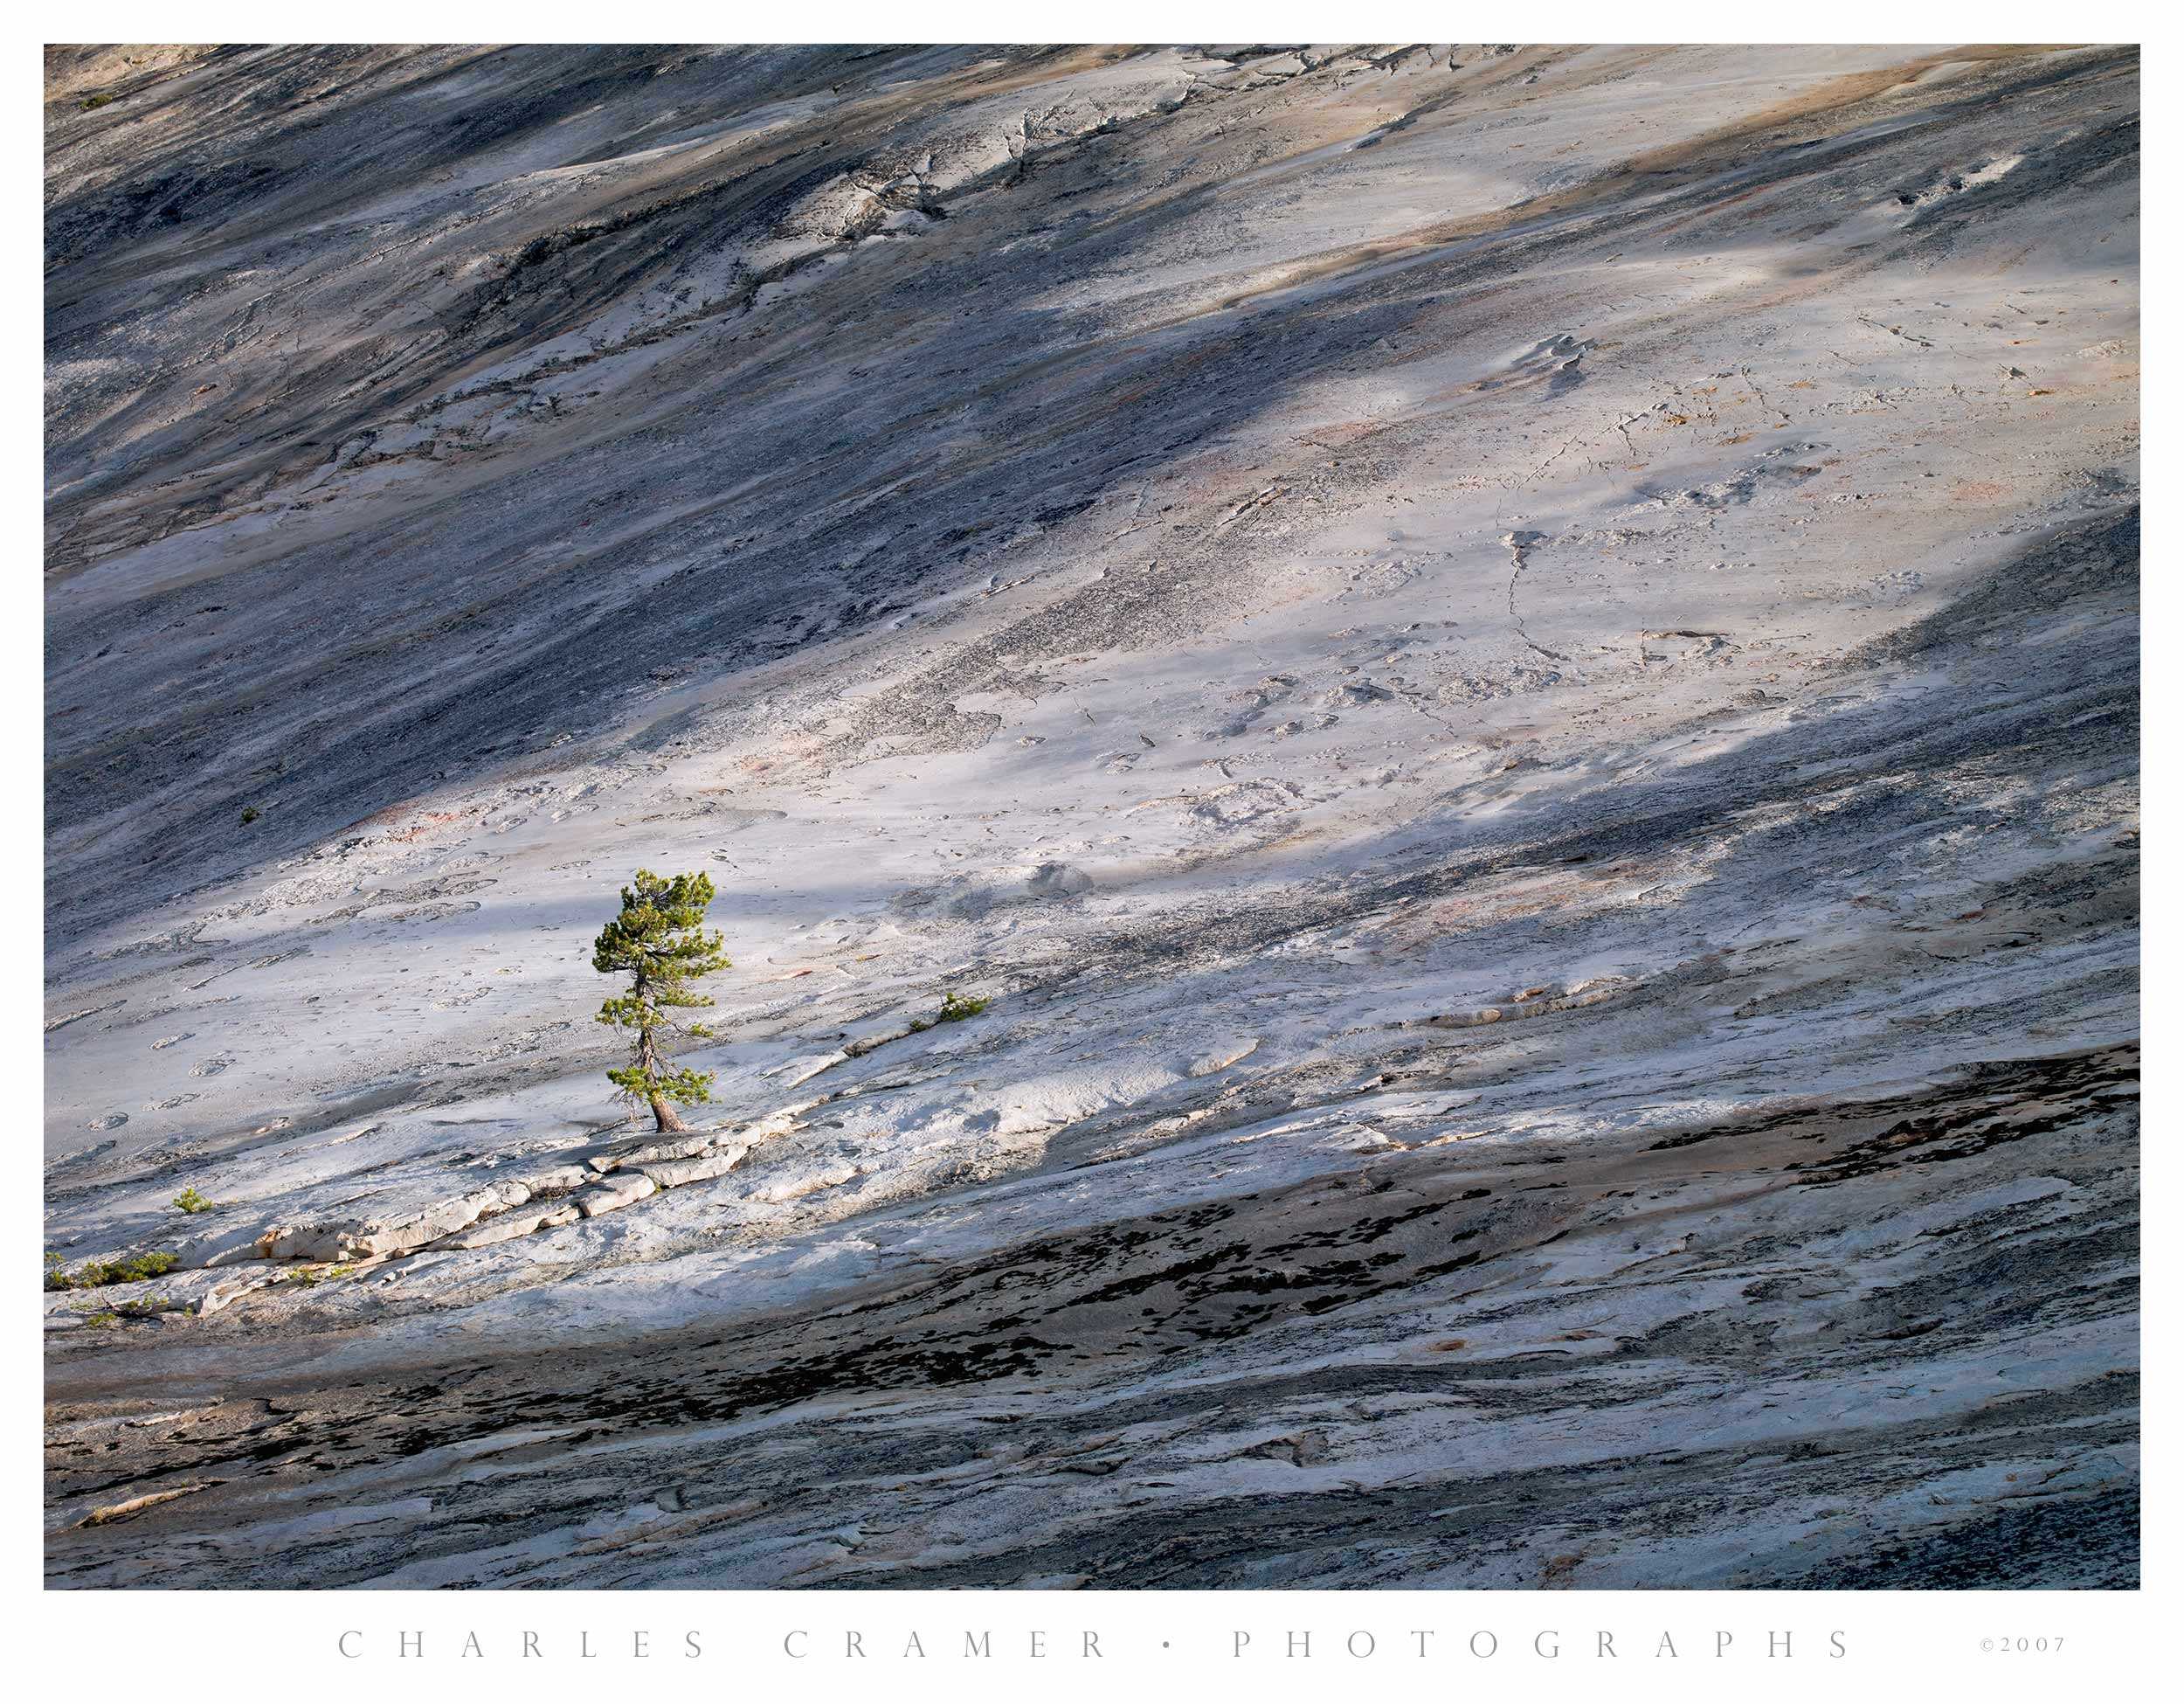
183	1646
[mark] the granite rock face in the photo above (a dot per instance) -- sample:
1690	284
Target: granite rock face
1515	669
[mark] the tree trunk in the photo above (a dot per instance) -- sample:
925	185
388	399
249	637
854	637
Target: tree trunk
648	1061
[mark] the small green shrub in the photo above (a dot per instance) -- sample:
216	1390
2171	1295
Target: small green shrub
95	1275
114	1314
191	1202
955	1008
91	103
105	1318
307	1277
250	814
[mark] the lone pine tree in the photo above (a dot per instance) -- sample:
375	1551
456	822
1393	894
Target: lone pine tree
659	942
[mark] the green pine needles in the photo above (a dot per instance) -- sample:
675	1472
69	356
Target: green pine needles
659	942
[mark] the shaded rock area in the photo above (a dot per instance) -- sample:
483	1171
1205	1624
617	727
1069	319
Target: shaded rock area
1515	673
